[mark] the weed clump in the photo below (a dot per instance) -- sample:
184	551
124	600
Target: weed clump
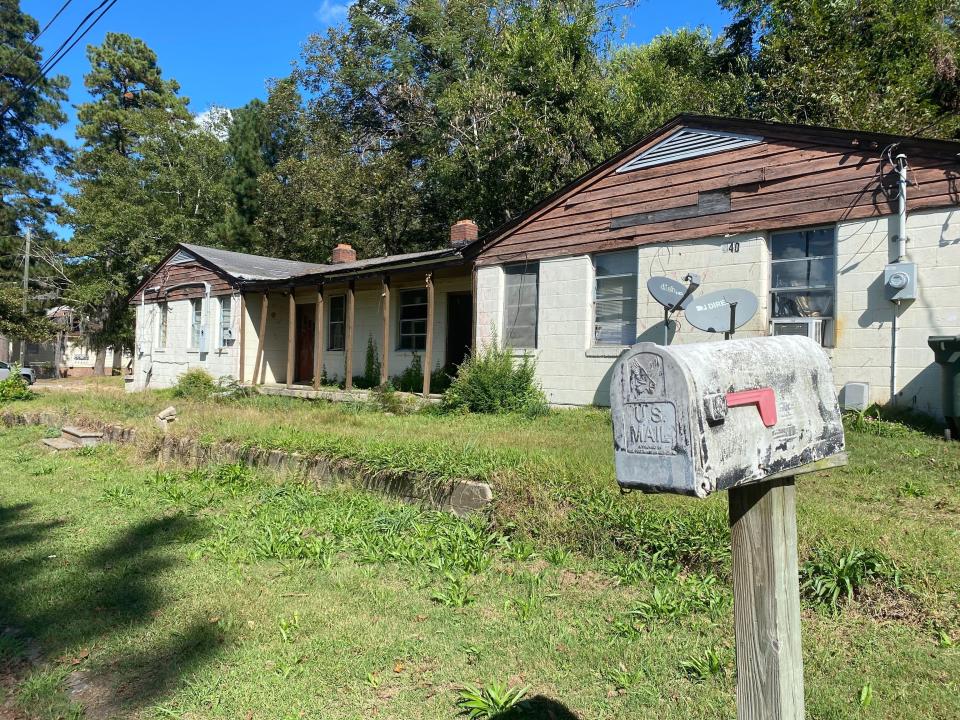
14	387
195	384
832	577
494	381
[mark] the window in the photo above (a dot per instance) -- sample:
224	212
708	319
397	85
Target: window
803	277
520	305
337	325
196	322
162	323
225	337
615	298
413	319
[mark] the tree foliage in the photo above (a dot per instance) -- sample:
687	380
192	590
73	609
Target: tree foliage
881	65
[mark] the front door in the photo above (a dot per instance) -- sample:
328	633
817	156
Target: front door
459	327
303	365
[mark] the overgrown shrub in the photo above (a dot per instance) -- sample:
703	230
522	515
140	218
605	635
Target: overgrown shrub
494	381
195	384
14	387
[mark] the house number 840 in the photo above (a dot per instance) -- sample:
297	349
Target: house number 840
732	247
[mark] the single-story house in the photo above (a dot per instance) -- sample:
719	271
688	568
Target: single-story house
66	353
812	220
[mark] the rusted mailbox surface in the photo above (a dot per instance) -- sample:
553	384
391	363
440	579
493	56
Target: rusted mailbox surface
694	419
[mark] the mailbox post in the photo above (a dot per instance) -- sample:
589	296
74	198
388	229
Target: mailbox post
746	416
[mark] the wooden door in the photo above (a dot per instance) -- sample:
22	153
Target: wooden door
303	367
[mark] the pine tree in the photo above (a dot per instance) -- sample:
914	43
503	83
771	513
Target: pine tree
146	177
31	109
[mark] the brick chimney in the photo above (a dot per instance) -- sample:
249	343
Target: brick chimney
343	253
463	232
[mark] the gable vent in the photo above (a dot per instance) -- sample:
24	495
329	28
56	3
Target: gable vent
180	258
688	143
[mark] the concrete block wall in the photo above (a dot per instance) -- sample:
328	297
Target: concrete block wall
864	349
573	372
155	367
571	369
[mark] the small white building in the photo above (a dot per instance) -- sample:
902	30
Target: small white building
808	219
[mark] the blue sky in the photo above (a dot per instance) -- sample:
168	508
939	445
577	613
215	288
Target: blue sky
223	53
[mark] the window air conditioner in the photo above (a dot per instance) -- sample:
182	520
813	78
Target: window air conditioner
227	334
808	327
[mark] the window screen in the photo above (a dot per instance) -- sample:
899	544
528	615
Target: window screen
196	321
520	305
337	323
803	273
162	325
226	321
615	298
413	319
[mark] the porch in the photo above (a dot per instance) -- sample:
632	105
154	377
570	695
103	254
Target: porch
301	339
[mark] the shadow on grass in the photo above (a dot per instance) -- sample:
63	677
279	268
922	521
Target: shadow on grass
72	602
539	707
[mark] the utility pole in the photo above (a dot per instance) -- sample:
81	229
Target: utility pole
26	285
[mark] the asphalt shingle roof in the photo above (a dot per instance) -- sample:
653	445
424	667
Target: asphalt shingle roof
257	267
254	267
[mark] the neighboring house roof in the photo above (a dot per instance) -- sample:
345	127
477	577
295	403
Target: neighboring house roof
243	266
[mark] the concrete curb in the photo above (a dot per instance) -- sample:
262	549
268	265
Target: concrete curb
460	497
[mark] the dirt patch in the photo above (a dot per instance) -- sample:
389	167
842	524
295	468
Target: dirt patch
96	693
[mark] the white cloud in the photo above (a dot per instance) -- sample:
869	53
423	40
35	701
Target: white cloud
216	121
330	13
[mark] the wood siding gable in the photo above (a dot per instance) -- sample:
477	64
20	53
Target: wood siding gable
182	267
794	177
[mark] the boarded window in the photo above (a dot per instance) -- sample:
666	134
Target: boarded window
162	325
803	279
615	298
520	305
413	320
336	327
226	322
196	322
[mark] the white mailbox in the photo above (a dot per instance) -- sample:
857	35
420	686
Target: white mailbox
697	418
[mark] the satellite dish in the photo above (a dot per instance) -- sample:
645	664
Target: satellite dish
712	312
668	292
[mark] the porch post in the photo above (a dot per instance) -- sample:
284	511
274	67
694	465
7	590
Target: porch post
243	336
258	368
291	335
428	352
385	350
348	342
318	339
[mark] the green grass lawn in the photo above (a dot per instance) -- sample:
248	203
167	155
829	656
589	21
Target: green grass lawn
219	593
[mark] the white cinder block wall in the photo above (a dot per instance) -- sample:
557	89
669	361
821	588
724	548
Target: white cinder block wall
573	372
155	367
864	350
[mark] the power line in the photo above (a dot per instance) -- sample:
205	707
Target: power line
33	40
60	52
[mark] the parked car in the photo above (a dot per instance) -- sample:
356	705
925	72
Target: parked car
25	373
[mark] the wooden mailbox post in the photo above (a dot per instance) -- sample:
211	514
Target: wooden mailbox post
745	416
